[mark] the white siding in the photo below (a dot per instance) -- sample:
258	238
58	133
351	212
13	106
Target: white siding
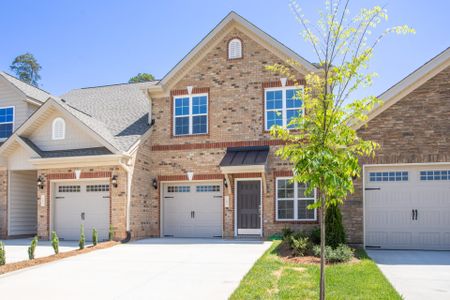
76	137
31	108
19	160
9	96
22	203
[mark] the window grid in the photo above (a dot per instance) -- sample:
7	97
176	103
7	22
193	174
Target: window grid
281	105
190	114
388	176
292	206
234	49
179	189
69	189
207	188
97	188
6	121
434	175
58	129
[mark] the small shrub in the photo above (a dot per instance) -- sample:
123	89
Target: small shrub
342	253
286	233
299	245
111	233
55	242
314	236
2	254
32	248
334	227
94	237
82	241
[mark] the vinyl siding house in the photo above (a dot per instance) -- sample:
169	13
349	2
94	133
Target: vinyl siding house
191	156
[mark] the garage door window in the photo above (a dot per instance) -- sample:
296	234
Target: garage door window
388	176
292	201
435	175
69	189
179	189
97	188
207	188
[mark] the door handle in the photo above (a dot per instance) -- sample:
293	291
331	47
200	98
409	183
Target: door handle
83	216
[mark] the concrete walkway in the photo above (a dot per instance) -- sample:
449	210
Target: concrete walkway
146	269
17	249
416	274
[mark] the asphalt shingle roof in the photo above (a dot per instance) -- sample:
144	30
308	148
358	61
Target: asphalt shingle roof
119	113
29	90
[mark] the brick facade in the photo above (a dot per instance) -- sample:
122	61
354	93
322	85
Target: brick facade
414	130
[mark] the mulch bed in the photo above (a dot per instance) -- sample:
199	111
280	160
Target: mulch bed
11	267
285	253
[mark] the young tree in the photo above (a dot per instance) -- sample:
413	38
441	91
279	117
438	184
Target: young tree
141	77
26	68
325	149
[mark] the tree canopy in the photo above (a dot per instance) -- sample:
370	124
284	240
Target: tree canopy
141	77
26	68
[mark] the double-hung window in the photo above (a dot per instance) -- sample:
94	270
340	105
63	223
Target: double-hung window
282	104
292	201
6	121
190	114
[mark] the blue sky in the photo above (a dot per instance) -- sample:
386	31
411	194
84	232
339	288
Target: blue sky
89	43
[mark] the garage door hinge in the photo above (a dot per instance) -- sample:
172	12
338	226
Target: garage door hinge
373	189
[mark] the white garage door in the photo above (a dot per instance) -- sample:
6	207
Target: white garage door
407	207
77	203
192	210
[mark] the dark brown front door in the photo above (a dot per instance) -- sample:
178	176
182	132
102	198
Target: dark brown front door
248	206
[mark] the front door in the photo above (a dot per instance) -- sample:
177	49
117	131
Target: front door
248	203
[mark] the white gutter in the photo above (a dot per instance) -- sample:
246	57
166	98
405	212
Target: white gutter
129	172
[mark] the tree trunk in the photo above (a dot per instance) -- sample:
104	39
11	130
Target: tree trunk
322	248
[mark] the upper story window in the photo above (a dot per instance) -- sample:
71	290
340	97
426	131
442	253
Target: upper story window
6	122
282	104
234	48
58	129
190	114
292	201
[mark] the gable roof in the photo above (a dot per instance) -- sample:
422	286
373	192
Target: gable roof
234	18
29	90
119	113
411	82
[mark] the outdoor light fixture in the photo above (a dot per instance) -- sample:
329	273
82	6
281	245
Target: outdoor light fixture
114	181
155	183
225	183
40	182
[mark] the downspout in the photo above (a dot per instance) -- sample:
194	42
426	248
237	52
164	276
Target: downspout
128	170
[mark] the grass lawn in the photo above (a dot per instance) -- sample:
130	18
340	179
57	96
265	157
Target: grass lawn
273	278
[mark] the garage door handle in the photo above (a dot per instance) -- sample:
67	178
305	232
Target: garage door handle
82	216
412	216
417	214
59	197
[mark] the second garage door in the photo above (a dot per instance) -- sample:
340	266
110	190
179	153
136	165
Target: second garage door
77	203
192	210
408	207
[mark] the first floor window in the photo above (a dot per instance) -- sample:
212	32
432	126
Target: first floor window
6	122
191	114
282	105
292	201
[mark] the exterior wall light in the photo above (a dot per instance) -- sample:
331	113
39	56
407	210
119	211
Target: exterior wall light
155	183
40	182
114	181
225	182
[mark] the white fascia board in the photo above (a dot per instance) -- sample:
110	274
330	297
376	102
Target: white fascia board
243	169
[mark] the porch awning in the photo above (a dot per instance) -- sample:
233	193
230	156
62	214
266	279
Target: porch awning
244	159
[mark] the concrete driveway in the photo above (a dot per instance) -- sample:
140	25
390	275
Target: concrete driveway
416	274
17	249
146	269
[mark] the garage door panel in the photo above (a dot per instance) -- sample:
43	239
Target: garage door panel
411	213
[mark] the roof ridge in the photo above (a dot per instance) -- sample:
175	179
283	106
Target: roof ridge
6	73
115	84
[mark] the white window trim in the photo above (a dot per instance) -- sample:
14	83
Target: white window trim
240	48
190	115
13	121
295	199
54	137
283	109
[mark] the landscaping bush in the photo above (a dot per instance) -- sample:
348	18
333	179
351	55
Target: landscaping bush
300	245
111	233
82	238
286	233
32	247
2	254
335	234
94	237
55	242
342	253
314	236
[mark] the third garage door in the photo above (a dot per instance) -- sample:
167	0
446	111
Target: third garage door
408	207
192	209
